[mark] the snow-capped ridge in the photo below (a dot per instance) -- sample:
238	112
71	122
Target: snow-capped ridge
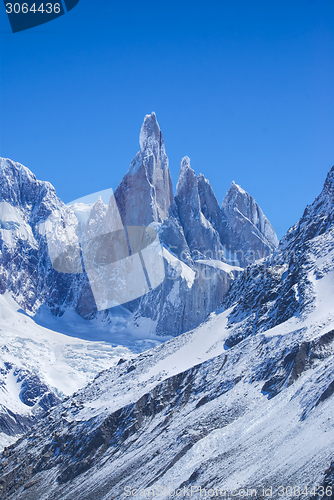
316	219
325	201
19	186
329	182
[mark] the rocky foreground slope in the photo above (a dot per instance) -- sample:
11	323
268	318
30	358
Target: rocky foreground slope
243	403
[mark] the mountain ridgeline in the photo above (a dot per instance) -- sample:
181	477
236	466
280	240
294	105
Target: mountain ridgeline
204	246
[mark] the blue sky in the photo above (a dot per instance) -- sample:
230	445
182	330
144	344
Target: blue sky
245	89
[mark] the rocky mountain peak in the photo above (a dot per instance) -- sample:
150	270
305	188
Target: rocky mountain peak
199	232
150	133
329	182
187	183
95	222
235	188
325	201
327	194
209	203
98	208
145	193
19	186
185	163
237	197
240	206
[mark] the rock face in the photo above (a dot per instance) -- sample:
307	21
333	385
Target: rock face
316	218
205	247
249	235
243	402
284	285
201	237
145	193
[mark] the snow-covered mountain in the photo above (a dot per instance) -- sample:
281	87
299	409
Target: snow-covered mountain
205	247
252	236
200	254
25	266
243	403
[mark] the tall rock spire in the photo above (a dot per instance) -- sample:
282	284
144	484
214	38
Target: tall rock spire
145	193
248	235
238	204
201	237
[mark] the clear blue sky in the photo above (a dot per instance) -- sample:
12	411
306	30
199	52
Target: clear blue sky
244	88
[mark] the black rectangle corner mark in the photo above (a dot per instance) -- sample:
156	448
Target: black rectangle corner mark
28	14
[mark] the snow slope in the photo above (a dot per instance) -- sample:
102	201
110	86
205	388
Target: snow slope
62	358
201	415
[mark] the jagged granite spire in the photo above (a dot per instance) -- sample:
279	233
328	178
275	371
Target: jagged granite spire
186	190
245	215
150	133
145	193
209	203
201	237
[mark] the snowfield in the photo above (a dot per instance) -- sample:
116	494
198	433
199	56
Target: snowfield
64	356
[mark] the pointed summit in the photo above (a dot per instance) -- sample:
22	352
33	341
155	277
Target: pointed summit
94	225
248	234
198	231
235	188
187	182
145	193
150	133
240	208
328	189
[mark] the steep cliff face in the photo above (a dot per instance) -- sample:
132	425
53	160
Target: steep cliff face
285	284
248	234
145	193
316	219
210	206
201	237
